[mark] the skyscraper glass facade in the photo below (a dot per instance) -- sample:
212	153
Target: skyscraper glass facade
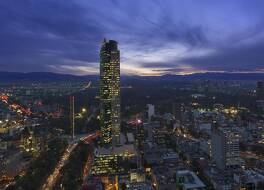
110	93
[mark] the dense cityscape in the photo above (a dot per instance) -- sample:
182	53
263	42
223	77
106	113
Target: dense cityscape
167	134
110	128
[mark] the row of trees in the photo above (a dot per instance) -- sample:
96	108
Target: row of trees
41	167
81	124
72	173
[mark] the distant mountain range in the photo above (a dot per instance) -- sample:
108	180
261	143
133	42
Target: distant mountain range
42	77
53	77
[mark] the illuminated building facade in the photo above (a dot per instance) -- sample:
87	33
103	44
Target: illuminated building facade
108	161
225	148
105	164
110	93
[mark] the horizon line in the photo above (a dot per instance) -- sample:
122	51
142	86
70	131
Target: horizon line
171	74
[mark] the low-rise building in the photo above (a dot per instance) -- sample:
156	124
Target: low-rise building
188	180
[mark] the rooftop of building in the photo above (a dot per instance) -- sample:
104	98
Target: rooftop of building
140	186
190	179
130	137
252	175
118	150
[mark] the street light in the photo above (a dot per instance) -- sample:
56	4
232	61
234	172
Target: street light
84	110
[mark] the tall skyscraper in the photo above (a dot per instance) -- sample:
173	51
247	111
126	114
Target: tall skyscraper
110	93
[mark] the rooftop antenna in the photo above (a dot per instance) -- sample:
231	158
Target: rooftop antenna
72	118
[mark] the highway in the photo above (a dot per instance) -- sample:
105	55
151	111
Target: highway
51	180
87	168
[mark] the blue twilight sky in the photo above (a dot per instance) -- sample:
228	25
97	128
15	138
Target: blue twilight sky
155	36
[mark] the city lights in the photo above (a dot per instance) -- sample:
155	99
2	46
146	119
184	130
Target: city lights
132	95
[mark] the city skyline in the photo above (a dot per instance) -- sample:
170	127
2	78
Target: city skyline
131	95
176	38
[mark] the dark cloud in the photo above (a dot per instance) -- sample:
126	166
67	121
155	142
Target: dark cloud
249	58
241	58
166	30
153	65
37	34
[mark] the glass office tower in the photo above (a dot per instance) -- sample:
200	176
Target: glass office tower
110	93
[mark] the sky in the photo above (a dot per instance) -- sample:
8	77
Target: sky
155	37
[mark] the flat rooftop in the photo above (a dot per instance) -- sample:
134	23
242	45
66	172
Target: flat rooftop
119	150
190	179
